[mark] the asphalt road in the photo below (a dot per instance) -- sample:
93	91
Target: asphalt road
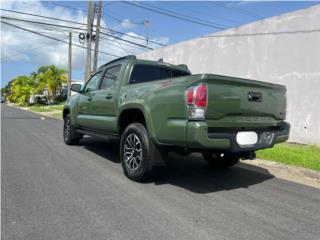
54	191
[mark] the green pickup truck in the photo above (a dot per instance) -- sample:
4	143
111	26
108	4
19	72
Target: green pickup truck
154	107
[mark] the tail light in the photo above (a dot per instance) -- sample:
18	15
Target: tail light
197	100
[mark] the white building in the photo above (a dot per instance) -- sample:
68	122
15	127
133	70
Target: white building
284	49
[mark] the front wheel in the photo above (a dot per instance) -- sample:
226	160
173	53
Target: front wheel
136	152
221	161
70	136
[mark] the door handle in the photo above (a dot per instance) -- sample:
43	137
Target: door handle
109	96
90	97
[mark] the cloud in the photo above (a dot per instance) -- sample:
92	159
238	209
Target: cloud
127	24
240	3
19	45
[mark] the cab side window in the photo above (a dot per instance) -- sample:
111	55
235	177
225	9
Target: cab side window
110	77
92	83
148	73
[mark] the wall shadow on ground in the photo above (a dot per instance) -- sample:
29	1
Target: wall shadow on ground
188	172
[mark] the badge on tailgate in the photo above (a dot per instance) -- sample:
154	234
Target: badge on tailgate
254	96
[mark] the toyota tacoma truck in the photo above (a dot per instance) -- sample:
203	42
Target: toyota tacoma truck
154	108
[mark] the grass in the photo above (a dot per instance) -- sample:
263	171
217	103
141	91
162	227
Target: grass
57	114
307	156
48	108
56	107
40	109
52	110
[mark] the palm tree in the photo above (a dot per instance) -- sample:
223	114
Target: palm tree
53	77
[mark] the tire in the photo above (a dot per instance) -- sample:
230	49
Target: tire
70	136
217	161
137	152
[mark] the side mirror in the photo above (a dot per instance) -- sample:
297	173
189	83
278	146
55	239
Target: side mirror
76	87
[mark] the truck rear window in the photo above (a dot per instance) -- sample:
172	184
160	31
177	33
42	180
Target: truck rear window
147	73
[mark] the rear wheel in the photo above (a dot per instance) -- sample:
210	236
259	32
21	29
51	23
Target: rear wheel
221	161
70	136
136	152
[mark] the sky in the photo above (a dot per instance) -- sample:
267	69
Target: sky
23	52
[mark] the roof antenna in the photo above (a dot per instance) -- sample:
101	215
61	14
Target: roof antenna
160	60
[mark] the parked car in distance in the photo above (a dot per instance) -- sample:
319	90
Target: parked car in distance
155	107
38	99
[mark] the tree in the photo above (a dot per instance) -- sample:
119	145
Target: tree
40	82
53	77
4	90
46	77
22	87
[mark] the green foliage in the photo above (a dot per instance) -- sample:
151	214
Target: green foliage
48	78
307	156
22	88
54	77
61	98
4	90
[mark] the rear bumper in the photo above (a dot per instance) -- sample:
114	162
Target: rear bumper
199	137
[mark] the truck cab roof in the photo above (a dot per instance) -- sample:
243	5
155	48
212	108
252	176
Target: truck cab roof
135	60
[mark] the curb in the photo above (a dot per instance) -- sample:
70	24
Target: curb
290	173
39	113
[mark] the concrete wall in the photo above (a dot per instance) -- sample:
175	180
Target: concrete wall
289	54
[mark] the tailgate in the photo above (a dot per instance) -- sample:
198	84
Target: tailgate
244	100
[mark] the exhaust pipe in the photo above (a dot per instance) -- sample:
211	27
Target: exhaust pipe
252	156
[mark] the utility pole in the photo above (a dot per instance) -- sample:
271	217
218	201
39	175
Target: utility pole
96	46
89	38
69	64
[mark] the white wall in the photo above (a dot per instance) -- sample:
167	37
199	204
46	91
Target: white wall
289	54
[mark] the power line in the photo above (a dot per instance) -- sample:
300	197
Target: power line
29	50
186	16
127	41
64	33
81	9
118	44
109	39
202	12
84	24
60	5
239	10
105	38
59	40
41	16
114	18
54	34
181	17
77	28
